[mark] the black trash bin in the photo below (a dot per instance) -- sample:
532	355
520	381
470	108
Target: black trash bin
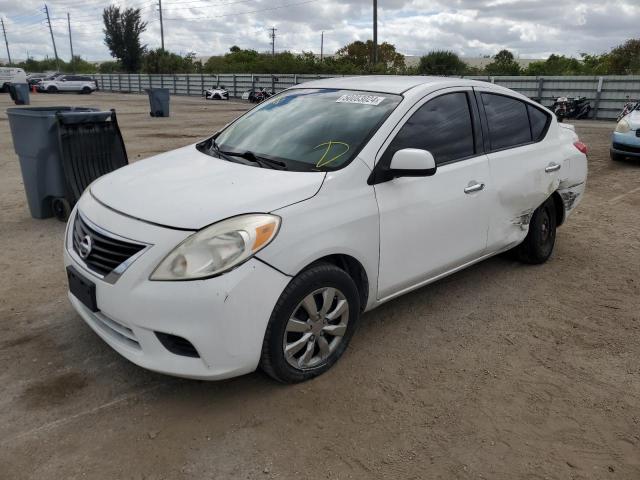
158	101
19	93
58	149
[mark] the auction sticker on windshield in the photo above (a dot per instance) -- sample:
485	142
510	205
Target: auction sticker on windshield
361	99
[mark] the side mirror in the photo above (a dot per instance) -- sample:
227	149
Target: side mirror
408	162
411	162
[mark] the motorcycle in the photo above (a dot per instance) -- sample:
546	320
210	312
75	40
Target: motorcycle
629	107
216	93
565	107
257	96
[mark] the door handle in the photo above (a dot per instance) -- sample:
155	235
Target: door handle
474	187
553	167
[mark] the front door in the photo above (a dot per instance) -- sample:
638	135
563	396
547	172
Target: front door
431	225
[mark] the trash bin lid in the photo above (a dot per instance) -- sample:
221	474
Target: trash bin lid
46	111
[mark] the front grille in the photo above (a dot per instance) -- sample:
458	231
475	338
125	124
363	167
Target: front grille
626	148
106	252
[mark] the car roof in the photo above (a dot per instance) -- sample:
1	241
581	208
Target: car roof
396	84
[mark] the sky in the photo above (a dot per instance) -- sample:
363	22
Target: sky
529	28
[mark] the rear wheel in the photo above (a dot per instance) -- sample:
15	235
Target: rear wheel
311	324
538	245
52	89
86	90
61	209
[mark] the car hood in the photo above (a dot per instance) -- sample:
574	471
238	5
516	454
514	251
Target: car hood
188	189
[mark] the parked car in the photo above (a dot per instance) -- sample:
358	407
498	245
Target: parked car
625	141
35	78
262	245
68	83
216	93
11	75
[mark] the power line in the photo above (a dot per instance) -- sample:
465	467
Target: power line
6	42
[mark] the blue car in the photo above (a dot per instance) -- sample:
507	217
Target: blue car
626	137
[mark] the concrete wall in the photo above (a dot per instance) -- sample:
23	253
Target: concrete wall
607	94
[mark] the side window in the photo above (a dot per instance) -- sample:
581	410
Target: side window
442	126
507	120
539	122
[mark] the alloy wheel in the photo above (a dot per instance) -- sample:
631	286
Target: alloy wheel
316	328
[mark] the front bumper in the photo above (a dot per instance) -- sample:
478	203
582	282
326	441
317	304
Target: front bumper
224	317
627	144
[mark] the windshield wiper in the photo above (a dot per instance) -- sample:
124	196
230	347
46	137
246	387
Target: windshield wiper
252	157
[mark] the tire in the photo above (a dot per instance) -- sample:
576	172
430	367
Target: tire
52	89
61	209
538	245
318	349
86	91
616	157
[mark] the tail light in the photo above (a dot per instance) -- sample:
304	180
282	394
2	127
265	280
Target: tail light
581	146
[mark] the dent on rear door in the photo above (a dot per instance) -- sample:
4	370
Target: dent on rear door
522	186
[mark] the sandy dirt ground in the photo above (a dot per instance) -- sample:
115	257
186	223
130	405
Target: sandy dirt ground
502	371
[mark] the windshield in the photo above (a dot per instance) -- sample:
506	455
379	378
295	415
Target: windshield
309	129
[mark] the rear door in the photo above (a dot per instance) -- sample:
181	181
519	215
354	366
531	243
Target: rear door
431	225
525	166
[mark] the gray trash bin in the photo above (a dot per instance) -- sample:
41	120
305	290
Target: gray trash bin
158	101
35	140
19	93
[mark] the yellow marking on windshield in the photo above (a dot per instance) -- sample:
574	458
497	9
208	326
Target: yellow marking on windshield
326	161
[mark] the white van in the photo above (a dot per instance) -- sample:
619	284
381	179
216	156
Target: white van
11	75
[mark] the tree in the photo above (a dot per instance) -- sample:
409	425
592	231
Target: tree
625	58
503	64
122	31
441	62
162	61
360	53
556	65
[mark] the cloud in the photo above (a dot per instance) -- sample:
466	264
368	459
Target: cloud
530	28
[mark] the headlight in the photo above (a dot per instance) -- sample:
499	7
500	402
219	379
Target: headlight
218	248
623	126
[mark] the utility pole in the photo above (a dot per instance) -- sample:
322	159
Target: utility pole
70	40
273	41
321	45
55	50
375	31
161	25
6	42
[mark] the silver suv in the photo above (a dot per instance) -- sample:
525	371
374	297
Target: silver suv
68	83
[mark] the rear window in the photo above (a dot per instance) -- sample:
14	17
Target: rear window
539	122
508	121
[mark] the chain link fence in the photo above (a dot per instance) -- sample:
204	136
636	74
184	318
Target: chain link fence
607	94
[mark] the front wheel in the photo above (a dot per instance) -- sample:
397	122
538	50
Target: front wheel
616	157
311	324
538	245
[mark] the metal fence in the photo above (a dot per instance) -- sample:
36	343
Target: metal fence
607	94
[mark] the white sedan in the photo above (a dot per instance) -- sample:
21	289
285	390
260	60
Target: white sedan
263	245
